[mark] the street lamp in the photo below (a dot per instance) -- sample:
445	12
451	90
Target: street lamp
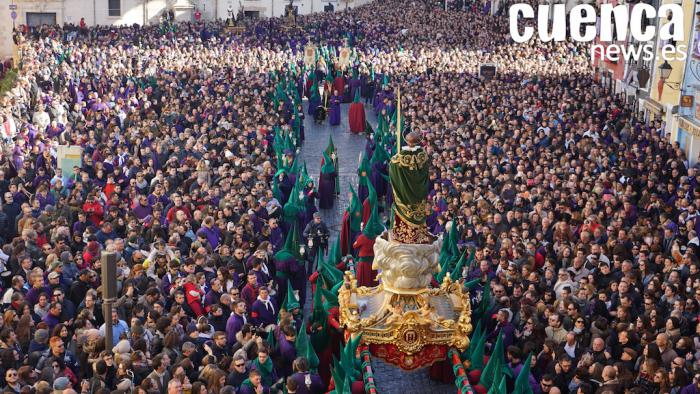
665	72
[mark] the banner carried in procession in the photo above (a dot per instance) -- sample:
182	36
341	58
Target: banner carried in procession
310	55
344	58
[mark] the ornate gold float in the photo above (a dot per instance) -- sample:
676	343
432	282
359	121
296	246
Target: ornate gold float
404	319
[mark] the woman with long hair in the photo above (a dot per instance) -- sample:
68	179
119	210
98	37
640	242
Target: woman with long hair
227	280
216	380
645	378
24	331
10	318
199	388
546	359
661	379
678	379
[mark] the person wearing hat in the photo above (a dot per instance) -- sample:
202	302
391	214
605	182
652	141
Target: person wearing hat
629	358
62	385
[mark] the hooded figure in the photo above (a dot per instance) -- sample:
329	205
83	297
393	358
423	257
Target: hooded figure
363	173
326	184
314	99
352	220
356	115
379	172
339	84
334	109
333	154
293	209
287	263
366	276
354	83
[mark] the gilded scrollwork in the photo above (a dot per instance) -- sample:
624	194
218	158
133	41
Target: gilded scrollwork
404	310
412	162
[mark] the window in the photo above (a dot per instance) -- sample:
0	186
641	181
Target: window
114	7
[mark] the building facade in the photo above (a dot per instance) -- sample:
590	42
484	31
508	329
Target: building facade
127	12
687	133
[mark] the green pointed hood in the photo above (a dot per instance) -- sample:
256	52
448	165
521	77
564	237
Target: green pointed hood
330	148
314	91
349	358
368	127
291	301
328	166
373	228
346	389
305	178
364	170
319	322
444	260
379	155
272	340
499	386
496	366
319	314
329	273
485	302
471	284
304	348
330	299
453	247
290	250
476	333
477	355
385	80
356	100
336	289
457	271
294	168
334	253
355	211
354	73
337	373
292	207
522	382
383	125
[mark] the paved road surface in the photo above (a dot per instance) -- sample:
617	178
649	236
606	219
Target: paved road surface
390	379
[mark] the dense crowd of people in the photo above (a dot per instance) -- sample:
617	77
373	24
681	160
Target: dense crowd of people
582	218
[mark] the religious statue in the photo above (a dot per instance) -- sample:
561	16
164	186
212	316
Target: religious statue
405	313
290	12
231	17
408	174
239	16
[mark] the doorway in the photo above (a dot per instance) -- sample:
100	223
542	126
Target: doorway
41	18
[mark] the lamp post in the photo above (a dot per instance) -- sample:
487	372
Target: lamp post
665	70
109	292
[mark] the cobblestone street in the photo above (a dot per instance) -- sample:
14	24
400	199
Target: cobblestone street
389	379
